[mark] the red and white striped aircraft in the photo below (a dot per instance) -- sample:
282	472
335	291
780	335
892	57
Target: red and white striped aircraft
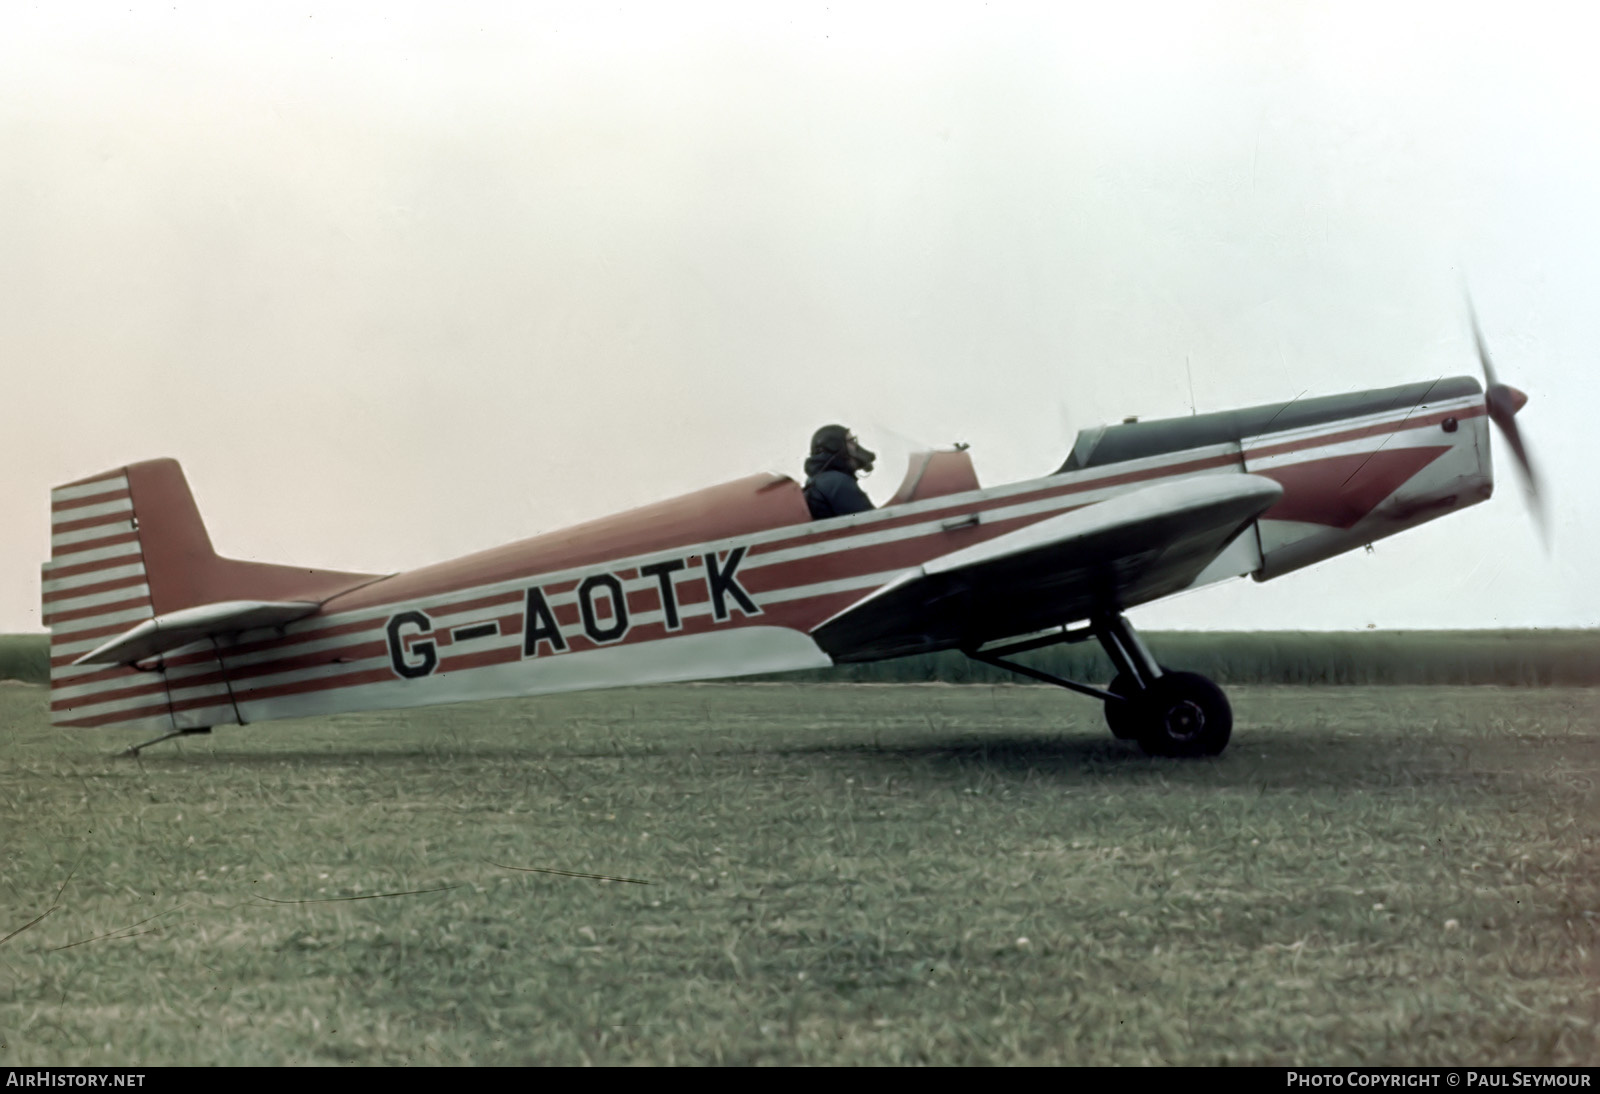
152	630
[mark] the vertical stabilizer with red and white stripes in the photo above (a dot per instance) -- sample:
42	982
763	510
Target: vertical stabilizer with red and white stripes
96	586
128	546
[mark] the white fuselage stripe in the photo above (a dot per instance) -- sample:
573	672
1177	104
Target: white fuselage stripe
90	577
109	485
96	531
108	555
72	626
54	608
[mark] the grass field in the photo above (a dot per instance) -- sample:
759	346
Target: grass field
836	874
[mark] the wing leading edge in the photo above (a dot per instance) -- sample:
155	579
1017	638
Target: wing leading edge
1107	556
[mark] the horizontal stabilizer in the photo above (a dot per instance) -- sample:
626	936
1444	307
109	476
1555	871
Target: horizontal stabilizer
186	625
1106	556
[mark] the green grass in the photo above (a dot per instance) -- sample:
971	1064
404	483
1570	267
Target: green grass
837	874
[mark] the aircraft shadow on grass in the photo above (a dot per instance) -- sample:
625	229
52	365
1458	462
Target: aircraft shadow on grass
1295	761
1289	759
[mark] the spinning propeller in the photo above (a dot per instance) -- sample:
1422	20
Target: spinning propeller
1503	401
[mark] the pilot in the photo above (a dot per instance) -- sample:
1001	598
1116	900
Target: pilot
831	487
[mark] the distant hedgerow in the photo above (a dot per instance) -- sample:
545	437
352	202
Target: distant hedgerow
25	657
1525	658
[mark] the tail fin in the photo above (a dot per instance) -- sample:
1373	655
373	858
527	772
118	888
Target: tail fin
126	547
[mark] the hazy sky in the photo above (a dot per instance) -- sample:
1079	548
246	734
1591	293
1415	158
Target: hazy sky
396	284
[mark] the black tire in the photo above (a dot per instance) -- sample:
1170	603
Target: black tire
1123	718
1184	714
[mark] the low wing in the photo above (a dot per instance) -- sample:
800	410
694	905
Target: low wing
179	628
1107	556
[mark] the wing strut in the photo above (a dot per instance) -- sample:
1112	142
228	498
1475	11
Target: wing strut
1117	637
997	656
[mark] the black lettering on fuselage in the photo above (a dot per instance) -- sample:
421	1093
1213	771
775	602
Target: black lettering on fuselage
592	626
599	591
539	625
422	657
662	572
722	583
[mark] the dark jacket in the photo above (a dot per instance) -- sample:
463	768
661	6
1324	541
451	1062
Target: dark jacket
831	492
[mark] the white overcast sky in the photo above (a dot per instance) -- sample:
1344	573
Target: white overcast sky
400	282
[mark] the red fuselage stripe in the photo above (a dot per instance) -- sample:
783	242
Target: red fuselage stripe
89	545
91	590
93	499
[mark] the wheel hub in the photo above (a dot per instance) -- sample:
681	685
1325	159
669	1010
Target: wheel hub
1184	719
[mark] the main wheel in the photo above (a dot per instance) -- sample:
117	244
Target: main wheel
1123	717
1183	714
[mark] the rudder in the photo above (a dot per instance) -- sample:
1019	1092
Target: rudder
127	546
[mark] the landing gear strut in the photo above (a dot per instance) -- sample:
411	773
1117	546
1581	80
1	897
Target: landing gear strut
1168	713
